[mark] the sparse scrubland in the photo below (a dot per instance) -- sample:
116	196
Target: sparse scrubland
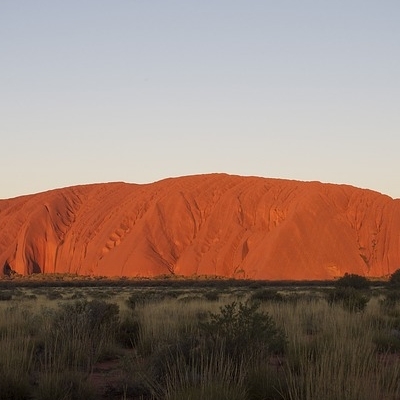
201	341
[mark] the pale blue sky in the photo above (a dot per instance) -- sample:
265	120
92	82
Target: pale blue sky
140	90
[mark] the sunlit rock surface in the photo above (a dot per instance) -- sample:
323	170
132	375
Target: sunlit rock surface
217	224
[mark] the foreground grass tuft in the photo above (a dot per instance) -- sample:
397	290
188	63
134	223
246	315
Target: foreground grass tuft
245	345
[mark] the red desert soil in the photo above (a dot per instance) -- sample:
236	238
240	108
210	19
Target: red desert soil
217	224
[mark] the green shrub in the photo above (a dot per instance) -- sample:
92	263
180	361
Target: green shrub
5	295
211	296
100	294
349	298
353	281
77	295
391	299
267	295
79	333
53	295
242	327
92	314
190	298
134	300
139	299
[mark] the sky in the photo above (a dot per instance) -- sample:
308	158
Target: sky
141	90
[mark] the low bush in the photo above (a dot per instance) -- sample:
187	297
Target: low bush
79	333
211	296
349	298
77	295
190	298
267	295
353	281
139	299
391	299
5	296
54	295
101	294
135	300
242	328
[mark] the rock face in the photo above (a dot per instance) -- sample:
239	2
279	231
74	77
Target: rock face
217	224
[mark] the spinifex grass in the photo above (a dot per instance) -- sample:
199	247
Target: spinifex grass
16	355
166	321
342	369
331	353
210	375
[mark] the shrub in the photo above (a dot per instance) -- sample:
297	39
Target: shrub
80	332
53	295
190	298
353	281
101	313
93	314
133	301
139	299
5	296
242	327
100	294
391	299
77	295
267	295
211	296
349	298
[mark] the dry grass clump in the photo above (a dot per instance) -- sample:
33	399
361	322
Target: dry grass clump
149	344
16	354
333	354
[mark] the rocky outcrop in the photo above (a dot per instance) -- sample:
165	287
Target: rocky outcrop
217	224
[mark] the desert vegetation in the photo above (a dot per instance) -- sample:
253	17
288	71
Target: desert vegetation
207	340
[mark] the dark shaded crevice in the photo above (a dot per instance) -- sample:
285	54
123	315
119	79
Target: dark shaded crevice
7	270
34	268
